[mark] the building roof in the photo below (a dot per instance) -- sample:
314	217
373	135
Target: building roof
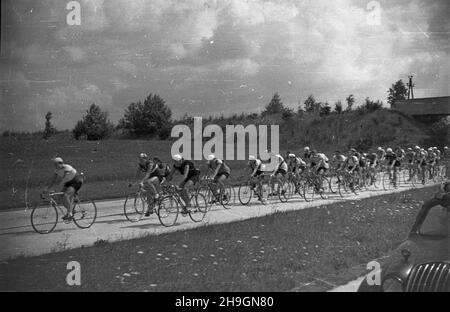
424	106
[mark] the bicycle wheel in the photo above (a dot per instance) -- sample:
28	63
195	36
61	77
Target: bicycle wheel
84	214
283	190
226	196
341	186
199	207
333	184
245	193
168	210
44	218
387	181
208	194
134	207
309	191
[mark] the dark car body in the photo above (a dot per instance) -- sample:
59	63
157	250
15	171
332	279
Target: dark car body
422	261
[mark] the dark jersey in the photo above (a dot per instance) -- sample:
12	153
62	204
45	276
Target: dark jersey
145	167
391	158
181	168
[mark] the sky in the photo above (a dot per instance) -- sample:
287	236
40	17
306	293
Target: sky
213	57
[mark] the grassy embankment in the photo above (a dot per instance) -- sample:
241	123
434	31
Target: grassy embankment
312	249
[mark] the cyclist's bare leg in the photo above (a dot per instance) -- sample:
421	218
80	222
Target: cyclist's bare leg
220	184
67	200
186	187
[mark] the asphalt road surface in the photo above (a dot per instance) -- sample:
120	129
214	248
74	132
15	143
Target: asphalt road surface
17	237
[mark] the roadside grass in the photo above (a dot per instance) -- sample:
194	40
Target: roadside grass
279	252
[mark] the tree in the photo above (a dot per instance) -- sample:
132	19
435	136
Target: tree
397	91
350	101
275	106
49	129
325	109
95	125
311	105
371	106
153	117
338	107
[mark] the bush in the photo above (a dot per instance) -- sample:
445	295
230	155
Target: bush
95	125
153	117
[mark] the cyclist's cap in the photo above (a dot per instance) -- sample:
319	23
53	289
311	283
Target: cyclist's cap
210	157
352	150
379	148
177	157
143	155
58	160
251	158
445	147
389	150
409	149
291	155
306	148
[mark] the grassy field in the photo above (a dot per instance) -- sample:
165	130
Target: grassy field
280	252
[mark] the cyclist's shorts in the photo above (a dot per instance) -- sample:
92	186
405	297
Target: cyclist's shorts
351	167
76	183
423	163
281	171
397	163
362	164
194	177
321	168
258	173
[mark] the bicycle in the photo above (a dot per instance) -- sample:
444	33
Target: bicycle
136	203
247	190
314	185
347	181
225	196
45	215
169	205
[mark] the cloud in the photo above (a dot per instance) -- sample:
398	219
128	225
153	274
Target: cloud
198	54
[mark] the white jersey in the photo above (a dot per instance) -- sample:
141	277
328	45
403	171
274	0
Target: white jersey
66	170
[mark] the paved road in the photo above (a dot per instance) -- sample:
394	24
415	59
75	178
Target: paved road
17	237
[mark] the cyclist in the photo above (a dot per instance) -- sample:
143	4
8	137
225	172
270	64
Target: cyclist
148	182
296	164
372	162
431	161
321	161
256	169
70	183
281	168
221	172
352	162
410	157
381	154
307	156
190	177
422	163
352	166
339	160
393	163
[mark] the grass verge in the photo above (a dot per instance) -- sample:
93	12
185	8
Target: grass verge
280	252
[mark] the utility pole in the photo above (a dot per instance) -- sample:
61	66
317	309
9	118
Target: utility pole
410	88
